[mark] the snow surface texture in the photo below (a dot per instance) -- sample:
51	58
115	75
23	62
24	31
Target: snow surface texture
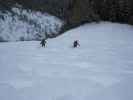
21	24
100	69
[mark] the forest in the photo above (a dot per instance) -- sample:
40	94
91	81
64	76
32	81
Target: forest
77	12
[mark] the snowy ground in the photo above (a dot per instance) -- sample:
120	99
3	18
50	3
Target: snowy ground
100	69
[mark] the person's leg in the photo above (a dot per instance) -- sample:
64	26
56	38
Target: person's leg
44	45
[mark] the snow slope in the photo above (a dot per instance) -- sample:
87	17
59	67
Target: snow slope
100	69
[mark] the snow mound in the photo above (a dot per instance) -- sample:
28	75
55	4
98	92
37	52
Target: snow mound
20	24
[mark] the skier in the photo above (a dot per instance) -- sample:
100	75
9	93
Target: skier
76	44
43	42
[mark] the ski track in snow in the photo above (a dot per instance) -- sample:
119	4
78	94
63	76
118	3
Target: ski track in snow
100	69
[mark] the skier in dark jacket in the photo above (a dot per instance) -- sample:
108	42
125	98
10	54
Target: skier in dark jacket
43	42
76	44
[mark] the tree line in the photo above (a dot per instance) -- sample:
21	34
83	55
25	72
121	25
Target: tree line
77	12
